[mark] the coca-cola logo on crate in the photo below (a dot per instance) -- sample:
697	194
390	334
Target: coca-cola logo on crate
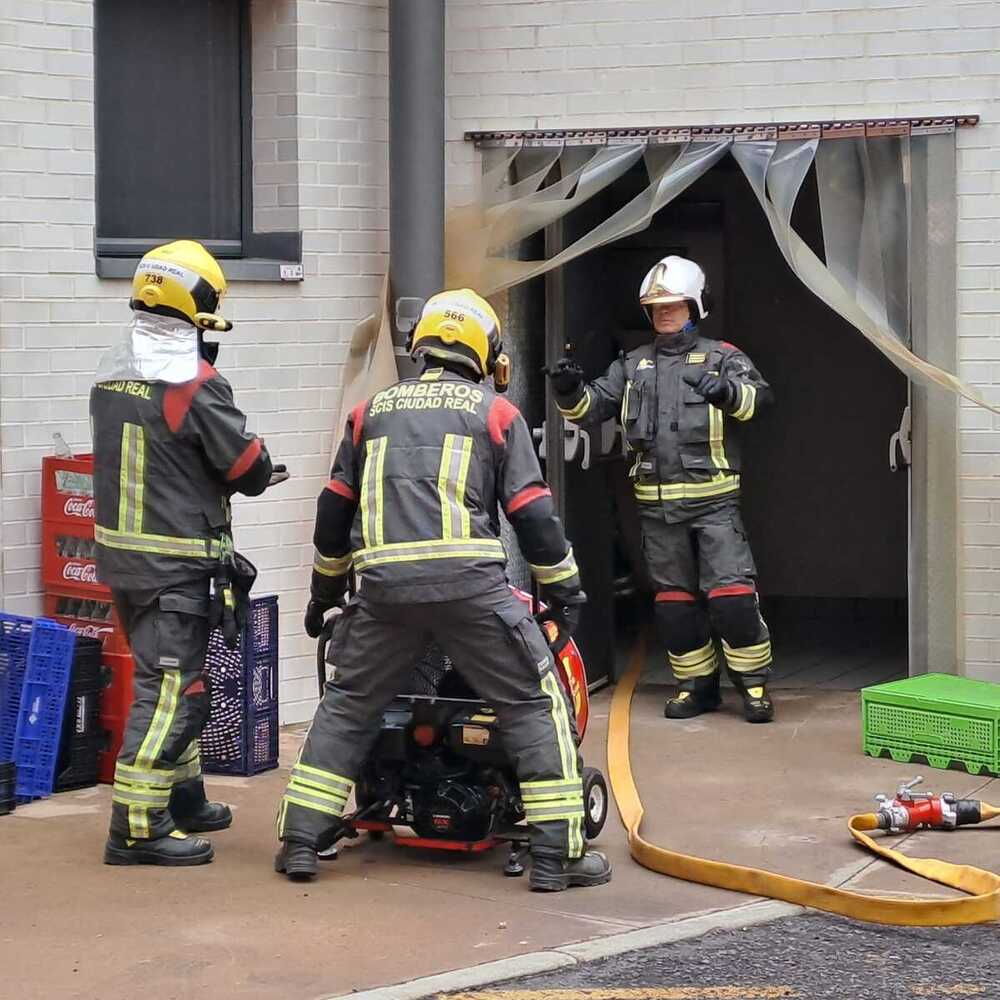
79	507
80	572
89	631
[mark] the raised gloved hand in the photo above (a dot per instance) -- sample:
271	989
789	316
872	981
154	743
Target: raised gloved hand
714	389
316	617
279	473
566	375
564	613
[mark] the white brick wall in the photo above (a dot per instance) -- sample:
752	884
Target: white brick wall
320	123
521	64
321	157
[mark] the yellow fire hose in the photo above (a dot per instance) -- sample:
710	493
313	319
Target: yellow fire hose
981	905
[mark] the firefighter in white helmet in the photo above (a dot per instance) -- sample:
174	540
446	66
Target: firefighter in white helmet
680	399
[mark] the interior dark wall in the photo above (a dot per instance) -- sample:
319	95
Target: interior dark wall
826	516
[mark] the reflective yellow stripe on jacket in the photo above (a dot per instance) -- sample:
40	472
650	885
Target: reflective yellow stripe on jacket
129	536
748	402
372	520
452	477
563	570
434	548
717	438
717	487
579	409
455	542
331	565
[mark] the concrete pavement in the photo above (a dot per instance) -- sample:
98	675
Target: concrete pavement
776	796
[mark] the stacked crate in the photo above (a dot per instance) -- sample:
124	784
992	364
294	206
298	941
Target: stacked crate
242	734
73	595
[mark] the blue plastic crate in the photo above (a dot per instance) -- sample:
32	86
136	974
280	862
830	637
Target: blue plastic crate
242	732
43	699
15	639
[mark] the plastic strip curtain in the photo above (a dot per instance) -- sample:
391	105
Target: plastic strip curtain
671	169
473	231
776	172
864	198
370	364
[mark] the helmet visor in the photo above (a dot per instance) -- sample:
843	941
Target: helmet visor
662	297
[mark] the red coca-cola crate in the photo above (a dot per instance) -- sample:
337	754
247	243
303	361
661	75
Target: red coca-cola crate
68	490
68	554
115	703
94	618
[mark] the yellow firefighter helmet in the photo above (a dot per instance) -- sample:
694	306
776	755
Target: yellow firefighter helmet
459	326
181	279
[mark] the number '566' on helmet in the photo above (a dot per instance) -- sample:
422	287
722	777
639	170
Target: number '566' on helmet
459	326
181	279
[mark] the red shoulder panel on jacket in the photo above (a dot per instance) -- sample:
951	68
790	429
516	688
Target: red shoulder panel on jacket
502	414
358	416
341	489
244	463
528	495
177	399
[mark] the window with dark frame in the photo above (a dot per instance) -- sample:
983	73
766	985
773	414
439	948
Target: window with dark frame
173	117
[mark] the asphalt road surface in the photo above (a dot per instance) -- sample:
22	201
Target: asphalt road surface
799	958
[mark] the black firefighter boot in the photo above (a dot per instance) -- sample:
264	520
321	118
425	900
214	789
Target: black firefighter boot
193	813
175	850
757	704
551	873
299	862
694	696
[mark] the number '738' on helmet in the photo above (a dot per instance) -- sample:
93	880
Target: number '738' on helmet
181	279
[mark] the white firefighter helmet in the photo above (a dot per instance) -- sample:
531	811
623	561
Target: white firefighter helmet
674	279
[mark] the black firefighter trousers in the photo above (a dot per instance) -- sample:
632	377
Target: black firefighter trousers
500	651
706	578
168	631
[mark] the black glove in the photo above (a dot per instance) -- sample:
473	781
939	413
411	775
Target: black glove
279	473
222	612
713	388
566	375
234	579
315	617
565	614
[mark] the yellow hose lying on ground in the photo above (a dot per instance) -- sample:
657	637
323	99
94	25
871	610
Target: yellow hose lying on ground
980	906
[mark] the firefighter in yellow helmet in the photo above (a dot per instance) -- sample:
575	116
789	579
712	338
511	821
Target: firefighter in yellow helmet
412	505
170	449
681	399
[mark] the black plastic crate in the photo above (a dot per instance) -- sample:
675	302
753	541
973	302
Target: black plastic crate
242	732
8	781
82	733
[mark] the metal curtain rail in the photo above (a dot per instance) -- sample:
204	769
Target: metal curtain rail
759	132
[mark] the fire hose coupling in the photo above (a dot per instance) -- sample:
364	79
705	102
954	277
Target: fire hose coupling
910	810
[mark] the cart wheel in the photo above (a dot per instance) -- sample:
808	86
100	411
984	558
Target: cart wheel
595	801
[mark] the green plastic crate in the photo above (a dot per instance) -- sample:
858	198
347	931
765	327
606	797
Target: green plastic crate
942	719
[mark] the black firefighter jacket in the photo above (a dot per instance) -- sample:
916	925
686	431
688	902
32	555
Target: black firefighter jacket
412	502
167	458
685	456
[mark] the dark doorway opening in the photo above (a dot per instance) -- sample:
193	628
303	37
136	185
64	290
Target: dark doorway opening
827	517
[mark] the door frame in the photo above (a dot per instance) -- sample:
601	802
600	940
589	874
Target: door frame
936	639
